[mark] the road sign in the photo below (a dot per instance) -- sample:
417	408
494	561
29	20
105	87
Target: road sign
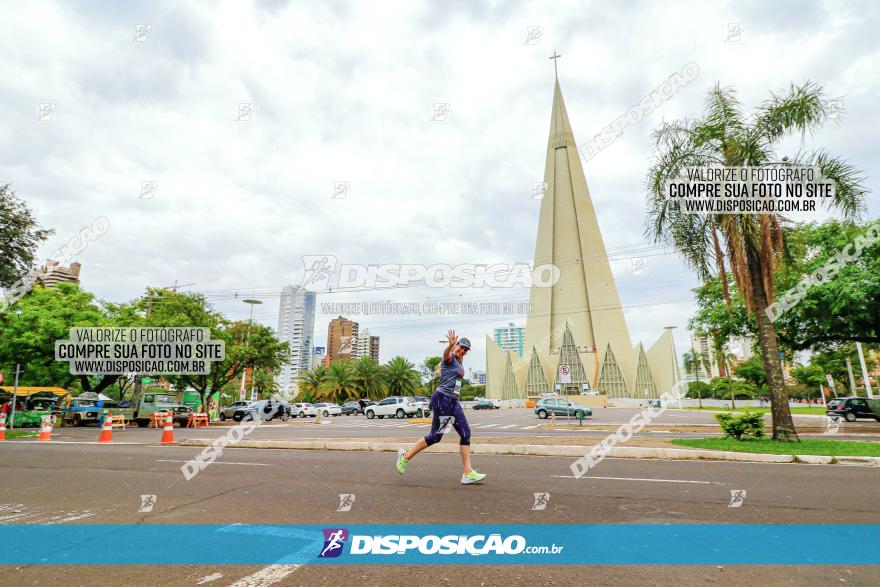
827	377
564	373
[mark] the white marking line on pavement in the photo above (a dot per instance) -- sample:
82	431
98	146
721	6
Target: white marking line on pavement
216	462
530	427
266	576
209	578
508	426
485	425
641	479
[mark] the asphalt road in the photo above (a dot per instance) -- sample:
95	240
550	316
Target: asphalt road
65	483
484	424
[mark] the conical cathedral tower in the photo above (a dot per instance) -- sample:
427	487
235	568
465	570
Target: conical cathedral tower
585	296
577	322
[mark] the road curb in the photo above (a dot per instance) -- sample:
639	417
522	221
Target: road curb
625	452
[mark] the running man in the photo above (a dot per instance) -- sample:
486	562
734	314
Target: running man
447	410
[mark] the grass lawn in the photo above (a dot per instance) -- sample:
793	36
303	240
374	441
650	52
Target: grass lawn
21	433
804	410
832	448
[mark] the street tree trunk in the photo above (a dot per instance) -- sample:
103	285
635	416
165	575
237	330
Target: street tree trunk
783	425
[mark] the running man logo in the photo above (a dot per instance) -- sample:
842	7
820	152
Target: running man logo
346	500
446	423
541	500
832	424
737	496
147	503
334	541
319	269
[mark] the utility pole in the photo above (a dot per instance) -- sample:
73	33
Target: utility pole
864	370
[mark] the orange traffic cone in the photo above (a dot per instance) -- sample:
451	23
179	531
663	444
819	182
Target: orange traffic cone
168	431
46	429
2	425
107	429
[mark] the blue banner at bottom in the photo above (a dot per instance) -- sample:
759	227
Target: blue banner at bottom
372	544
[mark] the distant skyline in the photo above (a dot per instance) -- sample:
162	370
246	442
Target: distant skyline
224	142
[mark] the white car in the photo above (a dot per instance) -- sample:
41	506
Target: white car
302	410
394	406
423	404
327	409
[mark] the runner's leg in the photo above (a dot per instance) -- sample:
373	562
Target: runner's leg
464	432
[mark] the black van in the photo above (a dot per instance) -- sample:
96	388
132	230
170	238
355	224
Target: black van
851	408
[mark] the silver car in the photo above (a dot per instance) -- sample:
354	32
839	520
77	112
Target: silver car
229	410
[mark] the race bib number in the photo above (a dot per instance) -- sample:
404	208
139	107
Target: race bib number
457	389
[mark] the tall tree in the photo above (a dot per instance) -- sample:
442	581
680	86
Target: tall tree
845	307
402	377
20	235
751	245
309	382
340	383
369	379
246	344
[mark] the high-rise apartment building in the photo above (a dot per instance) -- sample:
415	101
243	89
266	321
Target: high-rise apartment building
296	326
511	338
342	335
366	345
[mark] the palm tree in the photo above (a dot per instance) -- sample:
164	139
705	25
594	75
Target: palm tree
310	381
369	378
401	377
750	244
340	383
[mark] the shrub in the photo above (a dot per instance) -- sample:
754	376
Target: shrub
750	424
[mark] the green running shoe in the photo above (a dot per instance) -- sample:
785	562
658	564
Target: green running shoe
473	476
401	462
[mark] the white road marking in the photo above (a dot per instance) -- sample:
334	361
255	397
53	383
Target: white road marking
530	427
266	576
216	463
508	426
641	479
486	426
71	517
209	578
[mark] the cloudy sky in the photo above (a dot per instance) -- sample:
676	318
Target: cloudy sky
345	92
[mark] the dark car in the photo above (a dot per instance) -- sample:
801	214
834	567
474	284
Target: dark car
560	407
349	408
487	404
851	408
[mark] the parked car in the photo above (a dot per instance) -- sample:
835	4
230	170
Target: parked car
394	406
487	404
548	394
424	405
265	410
561	407
302	410
851	408
328	409
229	410
349	408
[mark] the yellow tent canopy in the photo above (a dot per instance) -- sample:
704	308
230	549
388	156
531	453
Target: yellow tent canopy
26	391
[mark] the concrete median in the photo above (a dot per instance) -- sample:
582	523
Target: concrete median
624	452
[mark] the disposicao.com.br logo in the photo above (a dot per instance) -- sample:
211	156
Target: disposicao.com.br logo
451	544
323	273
